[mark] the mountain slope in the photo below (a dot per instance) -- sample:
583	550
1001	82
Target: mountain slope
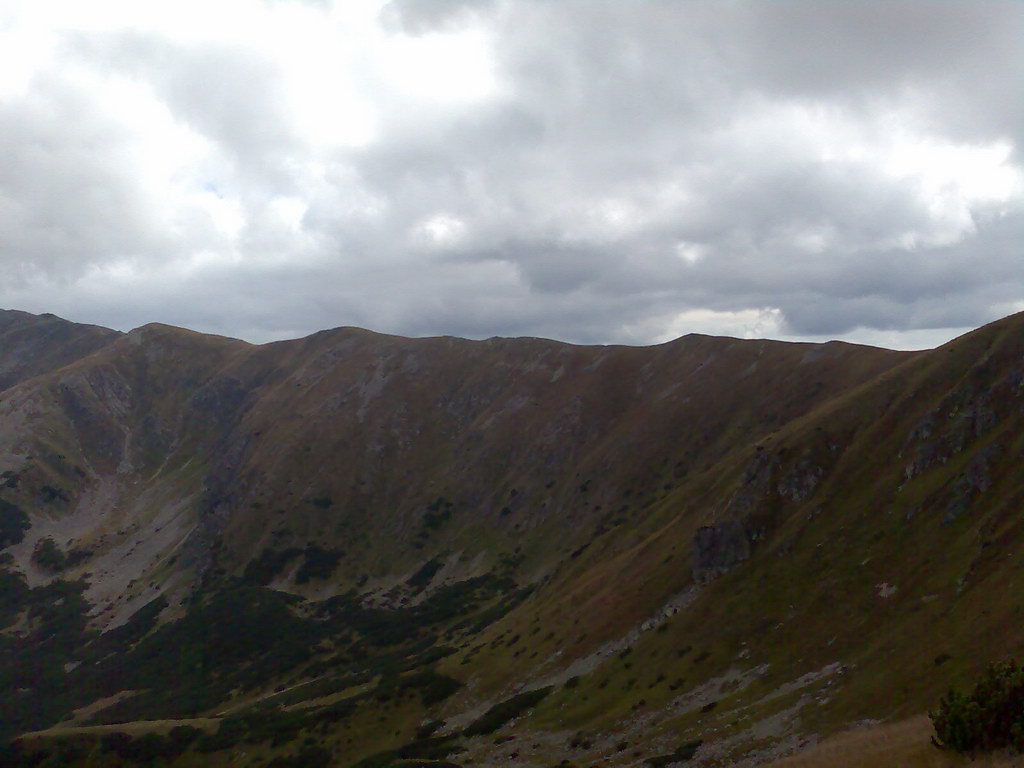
35	344
712	539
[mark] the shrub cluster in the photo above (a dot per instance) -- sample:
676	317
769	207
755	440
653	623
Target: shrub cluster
13	524
268	566
48	556
499	714
309	757
438	513
421	753
684	752
149	746
50	494
319	564
989	718
233	637
425	574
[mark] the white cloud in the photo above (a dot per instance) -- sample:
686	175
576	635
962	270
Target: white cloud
743	324
588	171
440	230
438	66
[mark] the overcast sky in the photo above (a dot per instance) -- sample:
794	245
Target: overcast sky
624	171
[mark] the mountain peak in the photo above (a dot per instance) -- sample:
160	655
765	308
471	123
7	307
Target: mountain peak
35	344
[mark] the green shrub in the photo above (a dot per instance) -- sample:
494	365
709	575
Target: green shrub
229	733
68	751
685	751
77	556
48	555
319	563
268	566
437	514
13	592
434	688
13	754
145	749
309	757
117	742
427	730
151	746
181	736
50	494
989	718
499	714
425	753
13	524
425	574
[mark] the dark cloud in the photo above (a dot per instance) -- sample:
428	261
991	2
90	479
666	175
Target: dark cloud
803	168
415	17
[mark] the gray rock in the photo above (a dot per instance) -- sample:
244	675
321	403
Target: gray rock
719	547
974	481
800	482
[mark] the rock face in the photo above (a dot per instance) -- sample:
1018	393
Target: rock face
719	547
975	480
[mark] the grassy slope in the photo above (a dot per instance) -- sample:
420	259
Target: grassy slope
906	743
811	597
799	640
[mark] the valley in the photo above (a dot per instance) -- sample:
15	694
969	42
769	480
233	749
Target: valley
356	549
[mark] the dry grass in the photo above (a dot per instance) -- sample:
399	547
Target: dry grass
905	744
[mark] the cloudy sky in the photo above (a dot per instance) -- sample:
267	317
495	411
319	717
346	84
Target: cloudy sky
595	171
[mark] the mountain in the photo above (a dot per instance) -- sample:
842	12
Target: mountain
35	344
364	549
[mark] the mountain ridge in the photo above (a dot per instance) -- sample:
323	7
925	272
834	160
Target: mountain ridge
638	494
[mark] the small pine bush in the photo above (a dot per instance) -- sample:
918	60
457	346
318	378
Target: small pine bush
989	718
13	524
507	710
48	555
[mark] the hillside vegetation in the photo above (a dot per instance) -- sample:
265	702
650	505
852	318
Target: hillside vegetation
364	550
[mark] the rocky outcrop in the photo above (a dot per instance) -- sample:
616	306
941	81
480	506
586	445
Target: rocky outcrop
719	547
962	418
756	485
768	483
974	481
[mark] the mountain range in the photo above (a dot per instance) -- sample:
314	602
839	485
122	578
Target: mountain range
356	549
